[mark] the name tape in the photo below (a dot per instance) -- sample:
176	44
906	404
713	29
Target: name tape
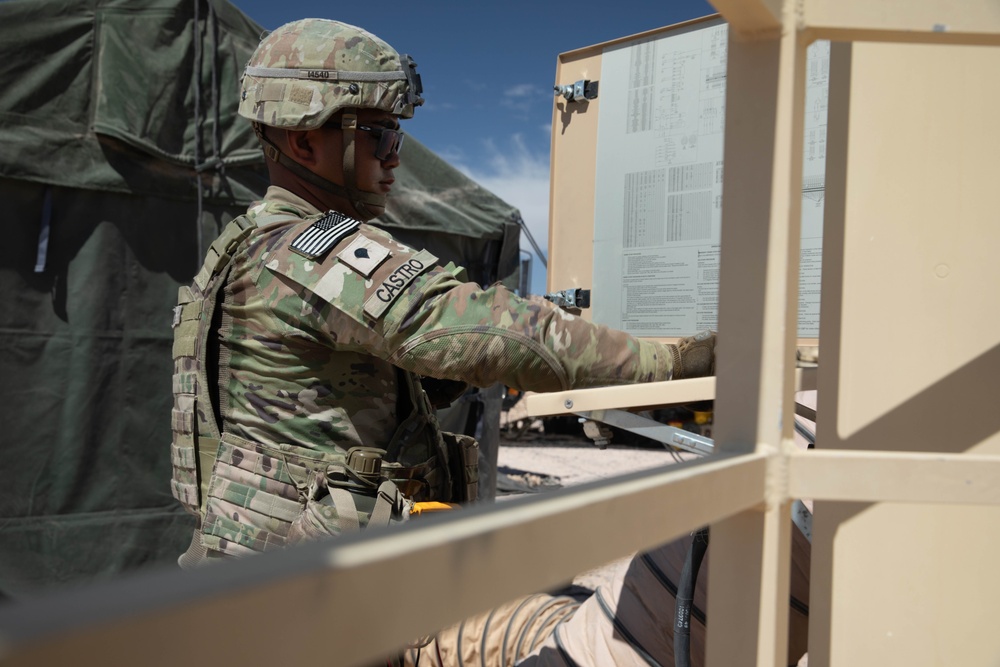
392	286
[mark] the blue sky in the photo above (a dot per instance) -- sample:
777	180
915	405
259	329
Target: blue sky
488	70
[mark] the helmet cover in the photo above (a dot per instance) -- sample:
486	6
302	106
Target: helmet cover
306	71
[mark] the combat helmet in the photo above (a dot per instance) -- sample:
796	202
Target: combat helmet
306	71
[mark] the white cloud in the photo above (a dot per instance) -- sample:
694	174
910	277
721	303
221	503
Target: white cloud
523	97
451	154
520	90
520	177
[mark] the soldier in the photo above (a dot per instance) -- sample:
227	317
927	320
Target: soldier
312	347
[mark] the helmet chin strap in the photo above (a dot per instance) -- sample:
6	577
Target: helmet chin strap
359	199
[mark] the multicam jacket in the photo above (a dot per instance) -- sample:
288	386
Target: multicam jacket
315	344
324	328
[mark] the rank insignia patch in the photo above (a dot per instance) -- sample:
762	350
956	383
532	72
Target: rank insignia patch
323	234
363	255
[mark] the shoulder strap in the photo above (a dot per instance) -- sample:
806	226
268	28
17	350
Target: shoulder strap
389	504
220	253
347	511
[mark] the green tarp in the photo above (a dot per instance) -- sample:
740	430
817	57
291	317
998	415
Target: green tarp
111	113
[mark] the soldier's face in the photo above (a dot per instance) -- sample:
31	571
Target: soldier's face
372	174
375	174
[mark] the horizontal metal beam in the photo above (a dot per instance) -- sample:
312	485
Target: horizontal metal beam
638	396
909	477
357	598
645	395
750	16
921	21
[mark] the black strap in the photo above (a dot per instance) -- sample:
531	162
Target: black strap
360	199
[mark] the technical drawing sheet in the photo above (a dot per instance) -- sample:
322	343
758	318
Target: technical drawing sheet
658	190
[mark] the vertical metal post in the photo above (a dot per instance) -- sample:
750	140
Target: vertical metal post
758	315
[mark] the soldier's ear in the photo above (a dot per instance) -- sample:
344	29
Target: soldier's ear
301	145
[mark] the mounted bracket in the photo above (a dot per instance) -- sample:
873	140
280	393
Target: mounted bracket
570	299
583	90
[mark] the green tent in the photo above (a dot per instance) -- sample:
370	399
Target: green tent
122	159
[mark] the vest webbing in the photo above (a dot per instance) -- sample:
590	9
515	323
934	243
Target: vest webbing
196	434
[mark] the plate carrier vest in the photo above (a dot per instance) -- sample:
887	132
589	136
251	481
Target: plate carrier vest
288	493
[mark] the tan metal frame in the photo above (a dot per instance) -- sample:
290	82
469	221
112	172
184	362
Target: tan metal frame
341	603
749	572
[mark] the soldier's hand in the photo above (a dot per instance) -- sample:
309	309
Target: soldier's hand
694	356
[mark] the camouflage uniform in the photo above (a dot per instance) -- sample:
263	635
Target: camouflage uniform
308	334
321	352
315	345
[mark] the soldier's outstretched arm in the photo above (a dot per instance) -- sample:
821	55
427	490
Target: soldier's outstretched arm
400	304
458	330
449	328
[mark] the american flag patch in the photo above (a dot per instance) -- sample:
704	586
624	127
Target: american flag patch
324	234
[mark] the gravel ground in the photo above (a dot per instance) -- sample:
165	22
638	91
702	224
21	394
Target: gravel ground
576	460
572	458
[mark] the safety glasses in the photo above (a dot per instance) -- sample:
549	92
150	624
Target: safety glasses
389	141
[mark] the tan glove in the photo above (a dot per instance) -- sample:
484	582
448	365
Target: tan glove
694	356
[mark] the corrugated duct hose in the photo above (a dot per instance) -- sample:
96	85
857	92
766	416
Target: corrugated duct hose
685	598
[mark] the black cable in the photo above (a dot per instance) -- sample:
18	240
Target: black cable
685	598
664	580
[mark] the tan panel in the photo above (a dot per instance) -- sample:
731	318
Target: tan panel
573	165
912	350
573	168
921	242
927	21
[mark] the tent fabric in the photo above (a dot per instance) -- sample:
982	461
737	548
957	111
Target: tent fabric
123	156
85	348
101	94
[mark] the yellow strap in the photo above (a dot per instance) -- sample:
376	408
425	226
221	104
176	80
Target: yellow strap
432	506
